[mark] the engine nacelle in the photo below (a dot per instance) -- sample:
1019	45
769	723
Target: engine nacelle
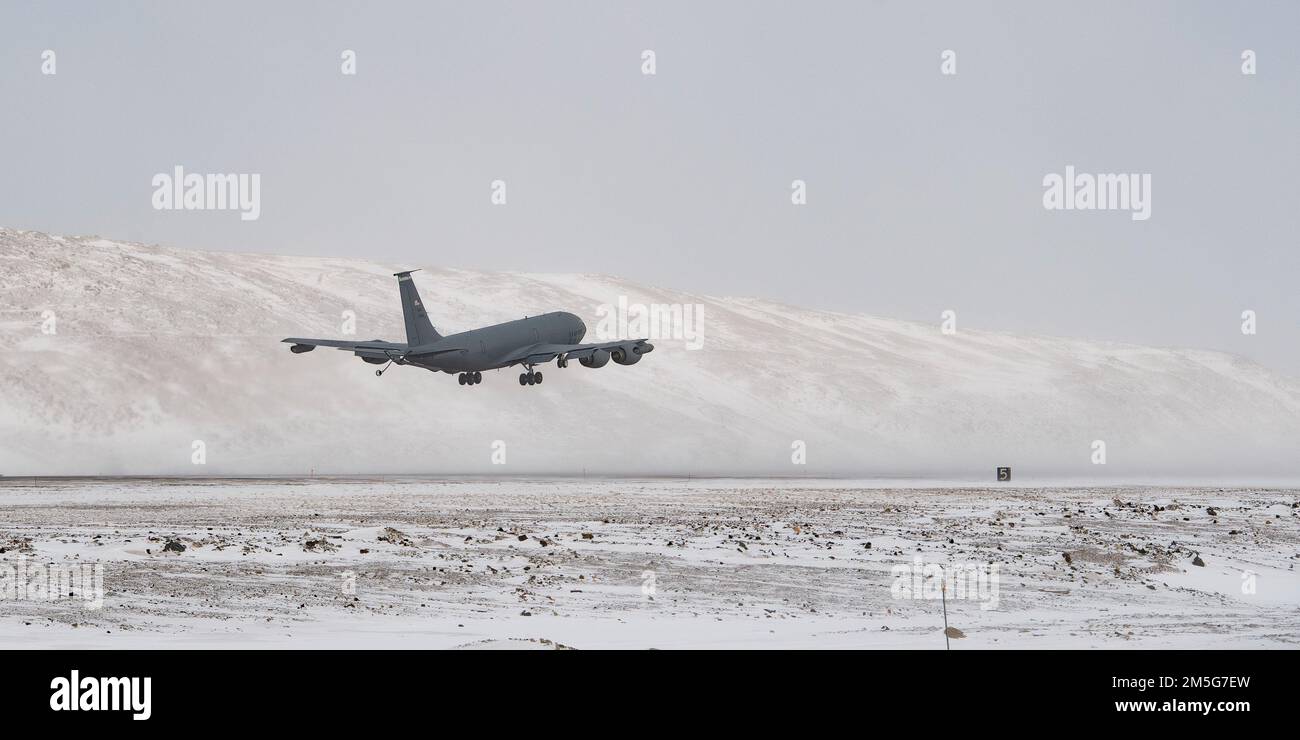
623	356
599	358
298	349
630	354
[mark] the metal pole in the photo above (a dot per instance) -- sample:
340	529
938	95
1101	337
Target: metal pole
943	592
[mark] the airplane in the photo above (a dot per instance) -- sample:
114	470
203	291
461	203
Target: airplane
531	341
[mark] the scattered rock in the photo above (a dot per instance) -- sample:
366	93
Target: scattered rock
395	537
319	544
18	544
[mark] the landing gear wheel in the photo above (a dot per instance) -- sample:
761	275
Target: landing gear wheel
461	379
478	377
378	373
538	377
523	378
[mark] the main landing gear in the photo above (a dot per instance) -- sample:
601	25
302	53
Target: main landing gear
473	378
381	370
530	378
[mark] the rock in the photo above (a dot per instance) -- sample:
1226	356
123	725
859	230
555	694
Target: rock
319	544
19	544
173	546
1197	561
395	537
954	633
1068	559
1210	510
587	535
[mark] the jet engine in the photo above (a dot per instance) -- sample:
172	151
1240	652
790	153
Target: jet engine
298	349
599	358
630	354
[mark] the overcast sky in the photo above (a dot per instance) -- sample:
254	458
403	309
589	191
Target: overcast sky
924	190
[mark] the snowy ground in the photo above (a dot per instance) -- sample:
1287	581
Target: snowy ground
735	563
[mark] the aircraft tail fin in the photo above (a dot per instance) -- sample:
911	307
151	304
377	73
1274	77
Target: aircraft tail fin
418	328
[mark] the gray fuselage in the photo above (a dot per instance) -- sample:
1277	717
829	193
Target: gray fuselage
490	347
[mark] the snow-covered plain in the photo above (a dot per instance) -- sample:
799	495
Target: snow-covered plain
156	348
546	563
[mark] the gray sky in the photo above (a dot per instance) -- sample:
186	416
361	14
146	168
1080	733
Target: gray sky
924	190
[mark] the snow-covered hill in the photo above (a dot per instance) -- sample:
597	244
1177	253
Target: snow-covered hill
154	348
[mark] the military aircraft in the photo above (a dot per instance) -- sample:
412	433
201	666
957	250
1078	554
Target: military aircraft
529	342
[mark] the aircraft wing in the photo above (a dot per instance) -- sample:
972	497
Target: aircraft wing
538	354
353	345
372	350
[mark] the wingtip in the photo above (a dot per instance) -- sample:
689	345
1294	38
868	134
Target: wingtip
404	274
